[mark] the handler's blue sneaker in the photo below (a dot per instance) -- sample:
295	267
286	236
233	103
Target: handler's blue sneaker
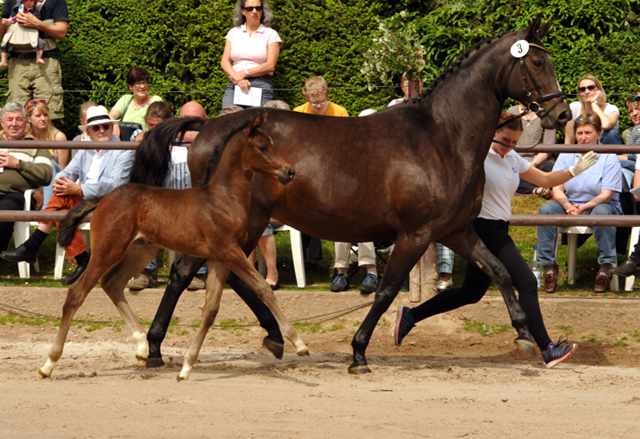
339	283
404	324
555	353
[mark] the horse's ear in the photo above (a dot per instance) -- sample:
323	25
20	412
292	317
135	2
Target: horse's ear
544	30
258	121
533	29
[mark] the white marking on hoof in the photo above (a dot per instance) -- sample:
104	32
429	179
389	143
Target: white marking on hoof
142	347
45	371
184	373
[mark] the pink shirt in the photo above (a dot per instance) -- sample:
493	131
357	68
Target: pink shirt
250	51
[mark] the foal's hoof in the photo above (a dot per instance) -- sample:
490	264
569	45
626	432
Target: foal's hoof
142	360
304	353
359	370
42	374
526	345
154	362
277	349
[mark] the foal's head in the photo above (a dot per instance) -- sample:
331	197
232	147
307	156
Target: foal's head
259	153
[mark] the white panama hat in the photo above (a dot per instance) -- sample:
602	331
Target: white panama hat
96	116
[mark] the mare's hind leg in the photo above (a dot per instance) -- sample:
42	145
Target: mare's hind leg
252	278
468	245
138	255
406	253
182	272
215	283
76	295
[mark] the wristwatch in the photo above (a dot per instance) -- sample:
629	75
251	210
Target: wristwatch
246	72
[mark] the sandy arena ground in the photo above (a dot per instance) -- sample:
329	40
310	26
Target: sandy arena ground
444	382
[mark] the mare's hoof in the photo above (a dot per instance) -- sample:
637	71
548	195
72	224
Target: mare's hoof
527	346
42	375
179	378
359	370
154	362
304	353
277	349
142	360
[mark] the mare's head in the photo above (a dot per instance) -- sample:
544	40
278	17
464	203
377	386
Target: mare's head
259	154
531	78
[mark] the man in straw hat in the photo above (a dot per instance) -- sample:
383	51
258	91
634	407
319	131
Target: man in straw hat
90	173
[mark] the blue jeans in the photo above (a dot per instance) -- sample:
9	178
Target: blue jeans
47	191
605	236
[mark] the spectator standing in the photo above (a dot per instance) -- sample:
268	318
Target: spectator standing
503	168
251	51
27	79
595	192
132	108
22	169
16	35
97	173
41	128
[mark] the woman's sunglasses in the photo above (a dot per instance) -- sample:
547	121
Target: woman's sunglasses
105	126
253	8
634	98
35	102
588	119
588	87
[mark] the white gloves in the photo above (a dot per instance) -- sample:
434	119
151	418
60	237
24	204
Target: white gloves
584	162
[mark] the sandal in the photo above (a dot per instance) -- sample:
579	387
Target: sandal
547	194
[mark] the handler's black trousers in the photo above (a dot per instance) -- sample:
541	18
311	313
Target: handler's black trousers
495	235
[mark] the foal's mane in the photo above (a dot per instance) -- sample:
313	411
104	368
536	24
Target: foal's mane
239	122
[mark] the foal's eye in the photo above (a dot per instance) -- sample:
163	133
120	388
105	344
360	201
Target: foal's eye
263	149
537	63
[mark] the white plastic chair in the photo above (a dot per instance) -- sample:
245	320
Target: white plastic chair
635	232
21	232
85	228
296	250
572	251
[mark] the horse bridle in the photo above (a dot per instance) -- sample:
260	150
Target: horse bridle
532	105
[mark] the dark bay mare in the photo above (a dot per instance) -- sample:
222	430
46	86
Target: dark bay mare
413	174
132	222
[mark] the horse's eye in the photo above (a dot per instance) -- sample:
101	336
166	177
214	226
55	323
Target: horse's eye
263	149
537	63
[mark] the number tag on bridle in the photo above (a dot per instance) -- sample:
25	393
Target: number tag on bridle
520	48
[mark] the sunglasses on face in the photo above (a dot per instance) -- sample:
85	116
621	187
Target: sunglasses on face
253	8
588	87
35	102
588	119
105	126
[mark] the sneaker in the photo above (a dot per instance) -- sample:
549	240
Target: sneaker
369	284
145	279
442	285
339	283
555	353
199	282
404	324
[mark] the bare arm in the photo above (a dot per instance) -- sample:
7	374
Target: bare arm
240	78
569	134
57	30
546	179
63	154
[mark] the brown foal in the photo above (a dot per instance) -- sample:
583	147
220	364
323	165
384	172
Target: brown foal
131	223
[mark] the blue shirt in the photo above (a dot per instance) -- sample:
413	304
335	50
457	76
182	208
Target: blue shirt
605	174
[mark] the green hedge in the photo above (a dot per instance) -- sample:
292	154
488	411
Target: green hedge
181	42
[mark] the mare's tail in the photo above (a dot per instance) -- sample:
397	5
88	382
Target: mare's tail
72	220
153	157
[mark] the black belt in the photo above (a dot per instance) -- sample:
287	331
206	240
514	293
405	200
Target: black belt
23	55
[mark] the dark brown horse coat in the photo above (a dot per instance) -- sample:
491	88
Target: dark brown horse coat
412	174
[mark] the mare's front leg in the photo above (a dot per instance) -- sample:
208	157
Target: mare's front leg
218	272
468	245
406	253
182	272
252	278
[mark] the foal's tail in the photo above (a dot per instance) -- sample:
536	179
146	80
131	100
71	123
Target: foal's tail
153	157
72	220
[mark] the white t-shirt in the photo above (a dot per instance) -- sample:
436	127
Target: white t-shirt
576	111
250	51
503	177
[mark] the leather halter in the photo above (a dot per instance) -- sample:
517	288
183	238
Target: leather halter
532	105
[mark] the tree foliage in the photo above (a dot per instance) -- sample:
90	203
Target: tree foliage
181	43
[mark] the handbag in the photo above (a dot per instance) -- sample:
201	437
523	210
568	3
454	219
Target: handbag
127	128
